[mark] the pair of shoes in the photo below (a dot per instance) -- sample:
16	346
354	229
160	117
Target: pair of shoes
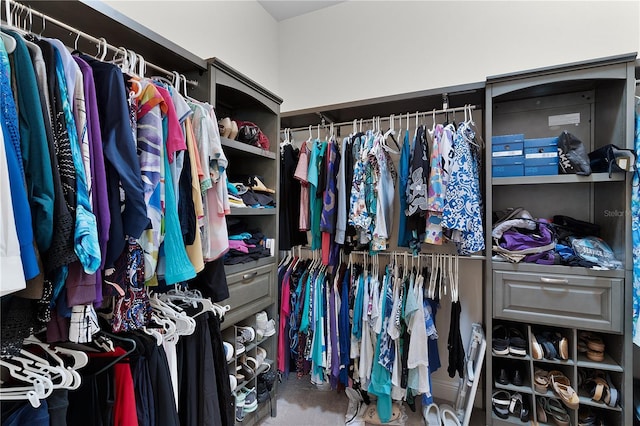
592	345
504	403
515	378
228	128
244	335
599	387
549	345
265	327
246	368
443	415
561	385
250	400
508	341
233	382
552	409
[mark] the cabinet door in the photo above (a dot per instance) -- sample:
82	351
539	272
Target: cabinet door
561	300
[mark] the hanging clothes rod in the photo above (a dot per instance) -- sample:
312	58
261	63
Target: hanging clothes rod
11	6
403	116
397	253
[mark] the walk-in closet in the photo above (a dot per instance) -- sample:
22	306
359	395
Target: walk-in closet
267	213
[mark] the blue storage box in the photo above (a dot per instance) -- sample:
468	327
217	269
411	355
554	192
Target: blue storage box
540	152
508	171
508	166
507	145
541	170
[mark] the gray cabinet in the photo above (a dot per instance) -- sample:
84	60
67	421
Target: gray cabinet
252	285
594	101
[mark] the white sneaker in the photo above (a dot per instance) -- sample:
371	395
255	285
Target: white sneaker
261	320
233	382
228	350
270	329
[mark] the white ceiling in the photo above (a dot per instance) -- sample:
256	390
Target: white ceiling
285	9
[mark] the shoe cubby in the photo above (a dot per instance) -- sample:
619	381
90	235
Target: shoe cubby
589	307
512	375
510	340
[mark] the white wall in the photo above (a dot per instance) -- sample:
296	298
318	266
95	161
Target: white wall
363	49
240	33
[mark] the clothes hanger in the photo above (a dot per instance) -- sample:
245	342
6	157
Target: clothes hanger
132	347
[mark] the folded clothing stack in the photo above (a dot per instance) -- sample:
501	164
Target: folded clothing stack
245	244
250	192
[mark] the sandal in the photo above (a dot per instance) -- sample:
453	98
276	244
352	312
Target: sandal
518	407
562	387
554	409
540	404
541	380
500	401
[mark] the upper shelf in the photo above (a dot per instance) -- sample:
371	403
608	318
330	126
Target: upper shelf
100	20
543	180
243	147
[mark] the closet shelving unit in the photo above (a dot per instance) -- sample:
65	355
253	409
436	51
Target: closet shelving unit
566	299
253	285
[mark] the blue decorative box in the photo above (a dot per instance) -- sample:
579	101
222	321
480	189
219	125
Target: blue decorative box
549	169
541	152
508	166
507	145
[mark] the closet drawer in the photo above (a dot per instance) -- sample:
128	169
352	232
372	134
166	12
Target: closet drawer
567	300
249	292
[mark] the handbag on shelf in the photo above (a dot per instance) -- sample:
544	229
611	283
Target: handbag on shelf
572	156
611	159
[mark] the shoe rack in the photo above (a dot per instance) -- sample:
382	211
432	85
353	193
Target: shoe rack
252	285
250	379
594	101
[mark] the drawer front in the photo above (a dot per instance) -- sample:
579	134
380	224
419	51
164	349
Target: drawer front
561	300
249	292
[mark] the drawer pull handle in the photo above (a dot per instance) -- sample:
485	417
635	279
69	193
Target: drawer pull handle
249	275
554	280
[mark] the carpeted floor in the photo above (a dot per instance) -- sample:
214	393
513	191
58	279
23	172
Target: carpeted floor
301	404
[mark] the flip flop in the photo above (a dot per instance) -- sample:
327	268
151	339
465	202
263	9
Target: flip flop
448	416
431	414
562	387
541	380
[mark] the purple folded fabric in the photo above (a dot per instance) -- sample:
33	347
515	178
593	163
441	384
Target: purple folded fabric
513	240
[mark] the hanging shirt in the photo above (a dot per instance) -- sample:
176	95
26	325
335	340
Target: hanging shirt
315	191
194	250
121	159
404	234
12	278
302	174
20	203
150	106
34	146
462	211
86	231
215	239
341	213
435	200
417	184
99	199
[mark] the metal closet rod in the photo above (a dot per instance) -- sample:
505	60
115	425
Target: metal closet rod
386	118
397	253
12	4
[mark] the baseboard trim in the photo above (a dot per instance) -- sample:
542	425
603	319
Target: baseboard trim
447	390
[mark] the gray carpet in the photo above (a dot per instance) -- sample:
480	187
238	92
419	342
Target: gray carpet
301	404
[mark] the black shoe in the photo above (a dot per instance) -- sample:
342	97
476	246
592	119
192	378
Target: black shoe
503	378
517	378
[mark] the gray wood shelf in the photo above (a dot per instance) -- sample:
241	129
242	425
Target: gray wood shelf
243	147
251	211
544	180
609	364
556	269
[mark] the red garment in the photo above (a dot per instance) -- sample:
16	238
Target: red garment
285	312
124	406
